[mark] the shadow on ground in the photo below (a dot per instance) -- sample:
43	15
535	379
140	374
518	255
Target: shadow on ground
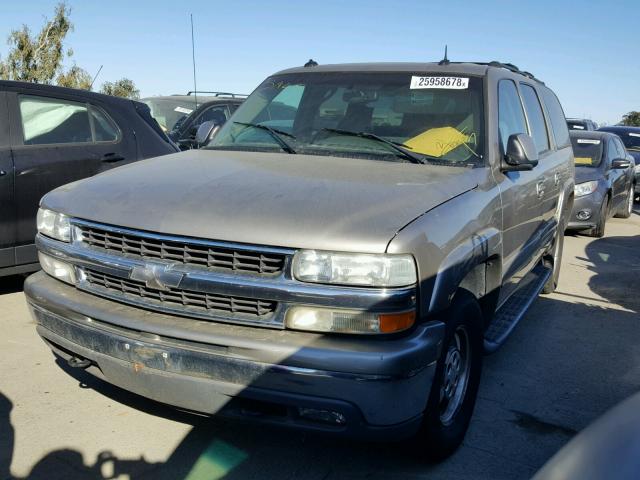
11	284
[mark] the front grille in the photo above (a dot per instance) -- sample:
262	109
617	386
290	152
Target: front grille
188	253
186	300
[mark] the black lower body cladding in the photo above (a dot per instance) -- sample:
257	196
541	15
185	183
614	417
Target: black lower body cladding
354	386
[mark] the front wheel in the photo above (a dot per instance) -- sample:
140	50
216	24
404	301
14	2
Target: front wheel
457	378
555	262
598	231
628	205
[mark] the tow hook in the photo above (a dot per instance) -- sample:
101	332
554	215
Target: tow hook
75	362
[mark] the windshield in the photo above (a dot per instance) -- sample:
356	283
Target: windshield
631	140
168	111
438	119
587	152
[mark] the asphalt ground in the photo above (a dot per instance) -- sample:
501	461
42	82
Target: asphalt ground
575	355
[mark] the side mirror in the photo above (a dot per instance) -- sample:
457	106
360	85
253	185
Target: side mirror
205	132
620	164
521	153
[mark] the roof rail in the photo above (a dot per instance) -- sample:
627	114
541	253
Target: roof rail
218	94
512	68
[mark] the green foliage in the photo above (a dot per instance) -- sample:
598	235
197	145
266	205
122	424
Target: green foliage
121	88
75	77
631	119
39	58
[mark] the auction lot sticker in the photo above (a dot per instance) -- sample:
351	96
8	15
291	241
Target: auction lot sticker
455	83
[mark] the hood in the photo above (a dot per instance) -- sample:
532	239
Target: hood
587	174
297	201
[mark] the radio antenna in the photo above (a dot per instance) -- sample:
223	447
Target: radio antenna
95	76
193	57
445	60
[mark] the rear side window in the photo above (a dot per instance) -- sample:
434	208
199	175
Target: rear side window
48	121
510	114
537	124
556	117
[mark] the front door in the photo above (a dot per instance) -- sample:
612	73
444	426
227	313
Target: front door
7	210
58	141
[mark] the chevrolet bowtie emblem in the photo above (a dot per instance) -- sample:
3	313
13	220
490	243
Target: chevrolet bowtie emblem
157	276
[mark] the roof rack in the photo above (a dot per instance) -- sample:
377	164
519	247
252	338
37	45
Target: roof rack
218	94
512	68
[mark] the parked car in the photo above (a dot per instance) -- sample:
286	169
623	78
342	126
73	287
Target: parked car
631	138
50	136
608	448
583	124
604	181
217	111
341	269
171	109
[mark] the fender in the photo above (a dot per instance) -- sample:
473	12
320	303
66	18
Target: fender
461	261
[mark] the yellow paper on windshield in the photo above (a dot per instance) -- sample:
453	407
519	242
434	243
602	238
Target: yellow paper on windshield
437	142
584	161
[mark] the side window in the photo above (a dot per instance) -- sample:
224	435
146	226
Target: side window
557	118
47	121
50	121
510	114
104	129
612	151
622	151
536	117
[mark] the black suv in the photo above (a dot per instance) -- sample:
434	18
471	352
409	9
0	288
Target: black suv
217	111
50	136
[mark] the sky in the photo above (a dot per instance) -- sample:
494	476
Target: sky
587	52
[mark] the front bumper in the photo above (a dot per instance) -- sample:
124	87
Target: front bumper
592	203
376	386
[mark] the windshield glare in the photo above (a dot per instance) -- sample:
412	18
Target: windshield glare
587	152
445	125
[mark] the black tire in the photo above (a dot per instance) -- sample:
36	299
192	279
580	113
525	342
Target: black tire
442	431
627	209
598	232
554	261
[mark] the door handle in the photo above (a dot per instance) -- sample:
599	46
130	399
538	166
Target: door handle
112	158
540	188
556	178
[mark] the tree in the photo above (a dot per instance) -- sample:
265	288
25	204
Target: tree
75	77
38	58
631	119
121	88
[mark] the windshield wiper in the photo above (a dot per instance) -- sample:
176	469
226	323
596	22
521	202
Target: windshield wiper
398	147
275	133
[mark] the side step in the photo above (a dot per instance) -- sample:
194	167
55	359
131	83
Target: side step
510	313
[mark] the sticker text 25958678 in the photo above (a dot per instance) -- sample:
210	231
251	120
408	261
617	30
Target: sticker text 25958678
456	83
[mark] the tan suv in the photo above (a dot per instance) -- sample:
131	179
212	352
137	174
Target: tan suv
338	258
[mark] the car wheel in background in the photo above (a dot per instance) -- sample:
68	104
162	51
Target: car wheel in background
554	261
628	205
598	231
455	386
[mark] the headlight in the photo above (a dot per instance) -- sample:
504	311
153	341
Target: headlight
54	225
57	269
354	268
582	189
347	321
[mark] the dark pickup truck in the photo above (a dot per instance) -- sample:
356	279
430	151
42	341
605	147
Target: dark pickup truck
340	268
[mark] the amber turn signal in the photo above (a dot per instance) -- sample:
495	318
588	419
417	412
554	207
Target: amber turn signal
396	322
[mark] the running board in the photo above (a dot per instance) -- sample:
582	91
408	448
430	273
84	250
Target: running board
510	313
